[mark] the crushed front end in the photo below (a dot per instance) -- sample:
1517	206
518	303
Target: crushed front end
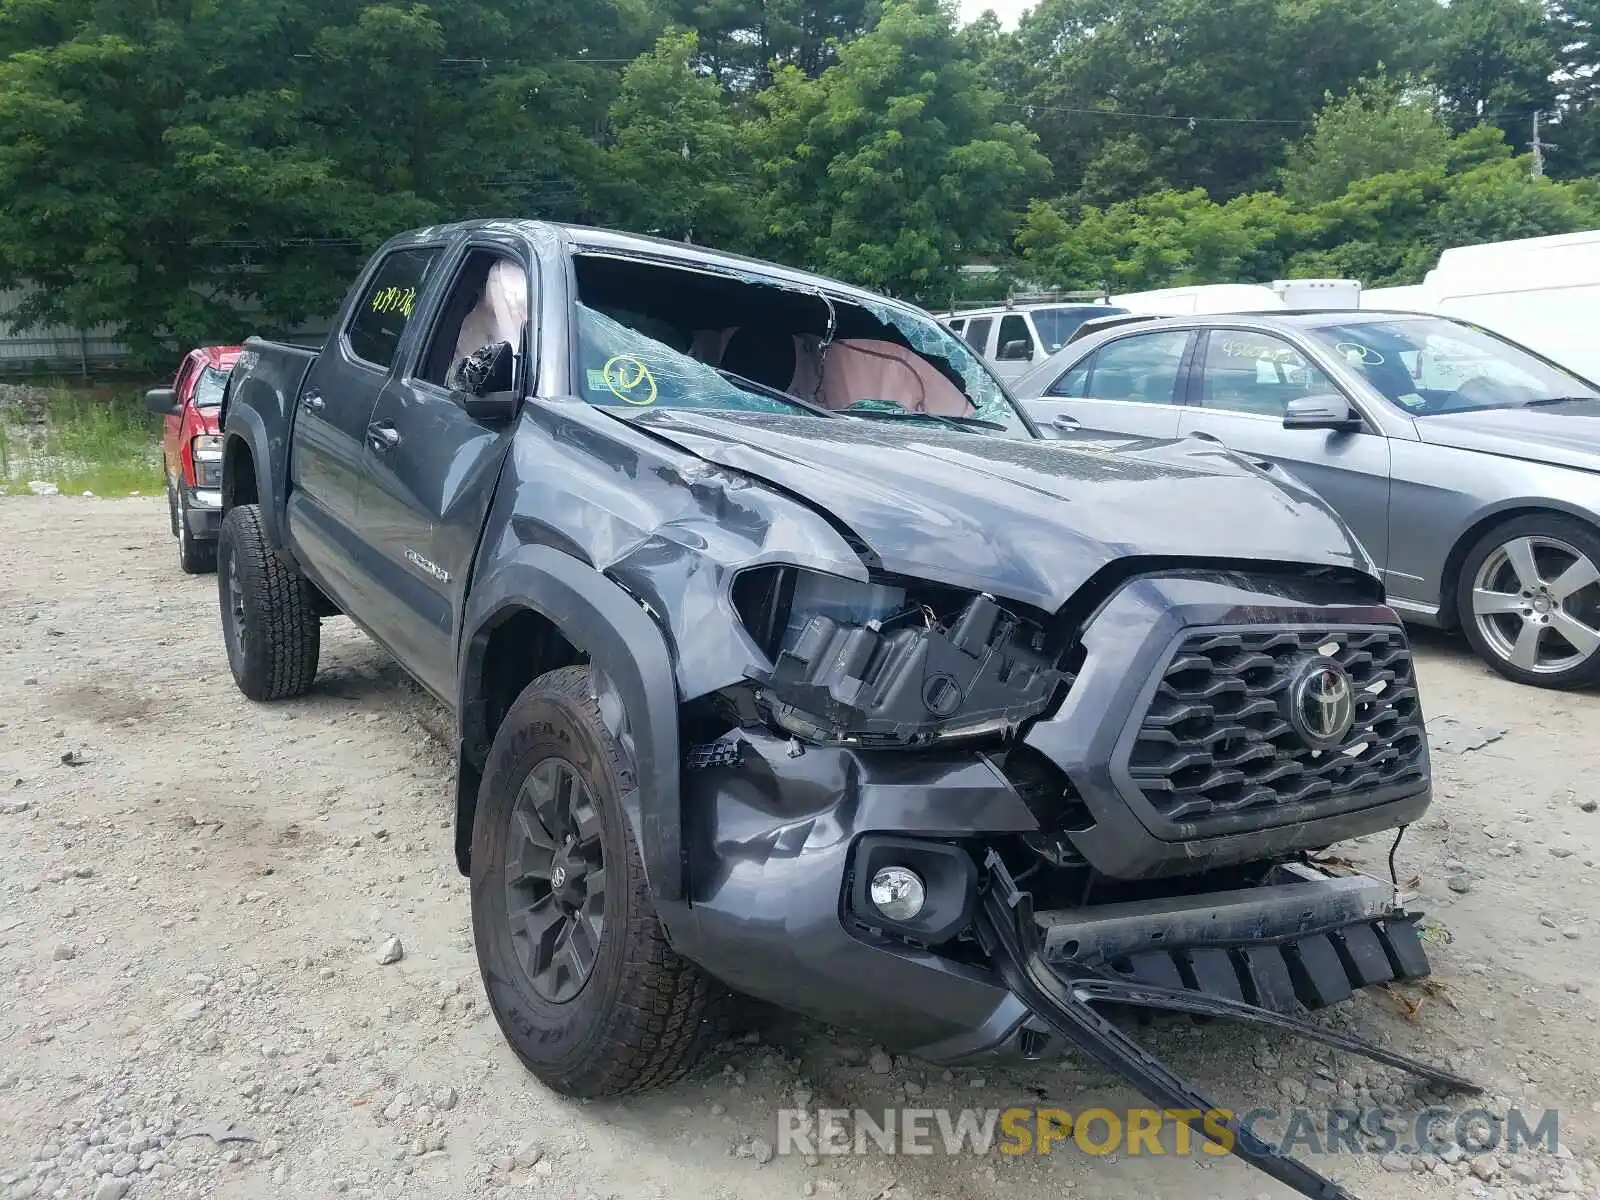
957	824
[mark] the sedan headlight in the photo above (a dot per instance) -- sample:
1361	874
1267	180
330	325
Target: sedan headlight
207	449
884	663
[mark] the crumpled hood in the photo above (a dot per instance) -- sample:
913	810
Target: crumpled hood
1028	520
1565	434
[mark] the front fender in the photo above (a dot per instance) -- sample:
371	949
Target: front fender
629	655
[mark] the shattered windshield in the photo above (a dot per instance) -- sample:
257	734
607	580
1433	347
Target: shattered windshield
652	337
208	390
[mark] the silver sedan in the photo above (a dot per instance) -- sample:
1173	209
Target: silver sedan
1468	465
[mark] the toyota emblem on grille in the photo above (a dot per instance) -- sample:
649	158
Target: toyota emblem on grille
1322	703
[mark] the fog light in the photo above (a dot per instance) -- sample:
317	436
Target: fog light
898	893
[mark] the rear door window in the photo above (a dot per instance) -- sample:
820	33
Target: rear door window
387	304
977	333
1142	369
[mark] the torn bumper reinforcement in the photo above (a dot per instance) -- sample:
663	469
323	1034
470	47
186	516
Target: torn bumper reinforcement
1064	1000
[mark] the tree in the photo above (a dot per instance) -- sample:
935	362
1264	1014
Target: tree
1212	92
1378	127
890	169
1167	238
191	176
1495	63
742	40
675	167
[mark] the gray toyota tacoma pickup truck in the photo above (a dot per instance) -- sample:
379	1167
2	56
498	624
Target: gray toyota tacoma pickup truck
789	659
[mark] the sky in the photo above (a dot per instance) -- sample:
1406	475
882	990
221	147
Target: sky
1007	10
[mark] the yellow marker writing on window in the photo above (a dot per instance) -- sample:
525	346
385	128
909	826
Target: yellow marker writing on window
395	299
629	380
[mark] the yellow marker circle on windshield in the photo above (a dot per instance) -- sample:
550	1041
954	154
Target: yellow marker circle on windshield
625	375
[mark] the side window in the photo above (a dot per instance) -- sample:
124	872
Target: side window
1075	382
958	327
487	304
1256	373
977	334
385	308
1014	329
1142	368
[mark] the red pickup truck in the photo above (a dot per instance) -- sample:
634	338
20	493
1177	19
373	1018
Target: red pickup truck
191	452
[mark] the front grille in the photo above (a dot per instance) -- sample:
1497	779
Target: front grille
1216	740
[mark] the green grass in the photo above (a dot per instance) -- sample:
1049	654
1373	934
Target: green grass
81	440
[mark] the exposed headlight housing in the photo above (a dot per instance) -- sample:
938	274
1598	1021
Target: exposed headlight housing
886	663
207	450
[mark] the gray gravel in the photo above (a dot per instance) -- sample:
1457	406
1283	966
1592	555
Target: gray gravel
198	999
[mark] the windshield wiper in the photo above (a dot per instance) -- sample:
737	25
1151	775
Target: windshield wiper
1545	401
772	393
905	414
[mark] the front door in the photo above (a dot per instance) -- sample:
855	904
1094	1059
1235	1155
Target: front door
327	450
432	469
1244	381
1128	387
1014	347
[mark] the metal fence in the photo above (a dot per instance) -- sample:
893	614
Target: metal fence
54	347
57	349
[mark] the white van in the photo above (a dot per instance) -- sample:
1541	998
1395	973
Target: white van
1543	292
1203	298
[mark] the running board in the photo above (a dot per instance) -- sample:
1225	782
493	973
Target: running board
1010	936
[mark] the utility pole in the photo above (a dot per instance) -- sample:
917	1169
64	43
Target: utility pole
1539	147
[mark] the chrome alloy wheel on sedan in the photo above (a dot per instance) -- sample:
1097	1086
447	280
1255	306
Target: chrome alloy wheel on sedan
1535	606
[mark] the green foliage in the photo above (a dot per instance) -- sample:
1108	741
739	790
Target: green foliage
159	173
190	172
1496	62
890	169
81	442
1096	75
1374	129
676	167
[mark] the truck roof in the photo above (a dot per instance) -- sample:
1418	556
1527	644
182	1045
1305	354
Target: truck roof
592	239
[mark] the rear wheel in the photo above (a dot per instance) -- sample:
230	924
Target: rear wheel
1529	601
269	613
577	968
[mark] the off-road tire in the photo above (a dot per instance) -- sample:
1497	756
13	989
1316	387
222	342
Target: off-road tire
645	1016
1575	533
282	633
196	556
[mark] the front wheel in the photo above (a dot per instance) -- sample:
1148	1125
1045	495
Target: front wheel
1529	601
195	557
269	614
577	968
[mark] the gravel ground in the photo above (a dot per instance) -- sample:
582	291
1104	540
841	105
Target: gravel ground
235	957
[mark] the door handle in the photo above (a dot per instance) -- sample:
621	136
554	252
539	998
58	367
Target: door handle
382	437
312	402
1062	421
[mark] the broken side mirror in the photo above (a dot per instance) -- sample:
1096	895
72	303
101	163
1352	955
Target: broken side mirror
485	381
163	402
1322	412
